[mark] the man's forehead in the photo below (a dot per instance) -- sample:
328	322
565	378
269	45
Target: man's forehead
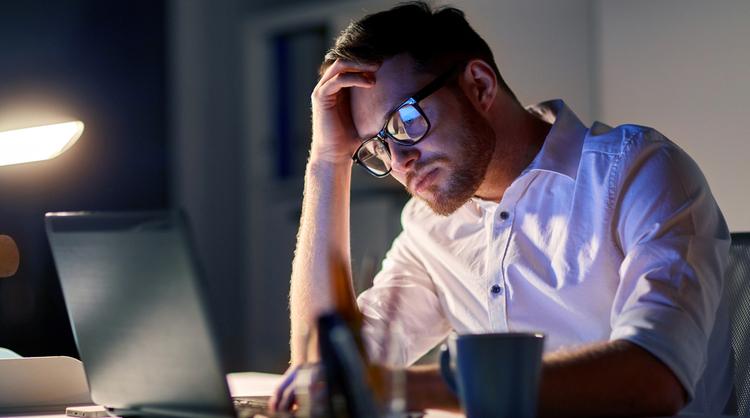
395	80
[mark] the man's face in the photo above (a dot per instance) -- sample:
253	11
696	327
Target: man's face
448	165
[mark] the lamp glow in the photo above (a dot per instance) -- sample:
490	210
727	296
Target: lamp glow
38	143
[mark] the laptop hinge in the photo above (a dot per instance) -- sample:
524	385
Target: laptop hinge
152	411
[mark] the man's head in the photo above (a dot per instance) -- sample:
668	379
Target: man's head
434	38
415	45
448	165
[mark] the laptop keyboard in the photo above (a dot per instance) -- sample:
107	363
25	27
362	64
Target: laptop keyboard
257	407
252	407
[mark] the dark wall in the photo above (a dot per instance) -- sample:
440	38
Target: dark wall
102	62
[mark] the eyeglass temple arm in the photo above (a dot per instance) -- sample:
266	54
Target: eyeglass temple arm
437	83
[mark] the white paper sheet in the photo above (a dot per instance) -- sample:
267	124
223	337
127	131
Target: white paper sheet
252	383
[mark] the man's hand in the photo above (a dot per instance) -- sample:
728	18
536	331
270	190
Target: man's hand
310	378
424	388
302	387
334	136
282	399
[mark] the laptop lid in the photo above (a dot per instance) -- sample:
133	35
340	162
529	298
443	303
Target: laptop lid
133	294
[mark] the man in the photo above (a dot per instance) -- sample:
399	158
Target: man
608	240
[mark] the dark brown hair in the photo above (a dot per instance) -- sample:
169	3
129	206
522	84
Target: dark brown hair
435	38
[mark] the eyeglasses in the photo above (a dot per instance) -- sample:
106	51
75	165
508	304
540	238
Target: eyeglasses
405	125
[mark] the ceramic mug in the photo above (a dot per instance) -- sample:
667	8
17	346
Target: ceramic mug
494	375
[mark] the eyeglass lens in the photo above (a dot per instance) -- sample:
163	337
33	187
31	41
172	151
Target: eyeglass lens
407	124
374	155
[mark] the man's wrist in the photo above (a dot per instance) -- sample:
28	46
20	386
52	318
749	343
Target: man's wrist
330	153
425	388
320	161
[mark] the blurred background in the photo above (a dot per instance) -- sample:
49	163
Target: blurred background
204	105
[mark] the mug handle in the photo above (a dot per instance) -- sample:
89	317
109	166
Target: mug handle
445	369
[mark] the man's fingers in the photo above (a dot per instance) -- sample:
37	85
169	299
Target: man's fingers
286	403
343	74
287	383
342	66
329	89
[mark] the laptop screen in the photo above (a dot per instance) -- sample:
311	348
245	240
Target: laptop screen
135	302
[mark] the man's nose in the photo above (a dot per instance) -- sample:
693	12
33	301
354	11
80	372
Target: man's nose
403	157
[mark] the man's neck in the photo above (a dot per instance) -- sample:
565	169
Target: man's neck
519	138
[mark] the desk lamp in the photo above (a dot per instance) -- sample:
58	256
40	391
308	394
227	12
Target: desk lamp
23	146
27	145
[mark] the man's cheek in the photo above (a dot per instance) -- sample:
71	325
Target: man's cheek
400	177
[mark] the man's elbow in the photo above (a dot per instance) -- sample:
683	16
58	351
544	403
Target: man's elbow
662	394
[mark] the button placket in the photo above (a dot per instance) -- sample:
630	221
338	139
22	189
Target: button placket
502	230
496	287
497	292
495	304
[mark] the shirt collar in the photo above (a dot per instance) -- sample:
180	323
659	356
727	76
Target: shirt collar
561	152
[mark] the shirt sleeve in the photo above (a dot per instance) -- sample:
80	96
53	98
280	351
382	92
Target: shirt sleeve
403	317
675	245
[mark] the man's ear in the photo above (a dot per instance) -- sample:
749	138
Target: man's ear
480	84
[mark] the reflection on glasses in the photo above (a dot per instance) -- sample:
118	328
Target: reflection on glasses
405	125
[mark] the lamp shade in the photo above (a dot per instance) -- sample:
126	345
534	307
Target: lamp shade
9	257
38	143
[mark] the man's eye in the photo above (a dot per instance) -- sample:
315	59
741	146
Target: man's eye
396	126
408	113
380	149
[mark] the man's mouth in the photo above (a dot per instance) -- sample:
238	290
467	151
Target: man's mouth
422	182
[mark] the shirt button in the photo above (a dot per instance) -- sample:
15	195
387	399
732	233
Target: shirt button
504	215
496	289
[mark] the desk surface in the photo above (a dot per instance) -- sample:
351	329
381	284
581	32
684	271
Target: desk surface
263	384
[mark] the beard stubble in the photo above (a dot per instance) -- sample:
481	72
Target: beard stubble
467	169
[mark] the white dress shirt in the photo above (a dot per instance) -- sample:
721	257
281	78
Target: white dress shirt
610	233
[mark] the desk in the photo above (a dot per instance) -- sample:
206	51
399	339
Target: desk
263	384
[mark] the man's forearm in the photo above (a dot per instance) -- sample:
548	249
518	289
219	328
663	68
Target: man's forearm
322	248
615	378
606	379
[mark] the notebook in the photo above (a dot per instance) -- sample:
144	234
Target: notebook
41	385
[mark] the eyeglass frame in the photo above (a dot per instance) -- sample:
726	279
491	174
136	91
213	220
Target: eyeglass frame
413	100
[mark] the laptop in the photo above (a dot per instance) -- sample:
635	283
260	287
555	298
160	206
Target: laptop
134	296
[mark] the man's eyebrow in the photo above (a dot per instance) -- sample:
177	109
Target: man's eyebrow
388	114
367	136
383	122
